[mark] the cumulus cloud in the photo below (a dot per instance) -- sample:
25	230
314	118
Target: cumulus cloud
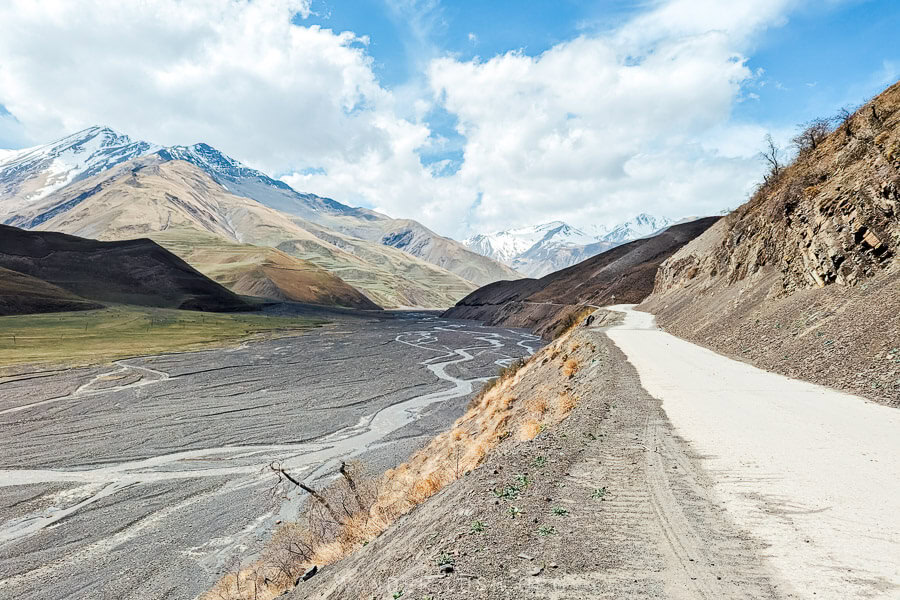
593	130
603	126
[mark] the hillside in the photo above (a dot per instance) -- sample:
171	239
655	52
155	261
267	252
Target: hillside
624	274
804	278
147	195
136	272
260	271
332	217
22	294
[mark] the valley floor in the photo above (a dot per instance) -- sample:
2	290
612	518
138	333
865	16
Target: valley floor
145	477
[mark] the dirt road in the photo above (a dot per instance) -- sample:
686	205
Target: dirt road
810	472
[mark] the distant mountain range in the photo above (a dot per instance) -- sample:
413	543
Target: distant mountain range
101	184
541	249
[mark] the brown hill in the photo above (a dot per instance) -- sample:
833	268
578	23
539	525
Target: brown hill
22	294
263	272
131	272
804	278
624	274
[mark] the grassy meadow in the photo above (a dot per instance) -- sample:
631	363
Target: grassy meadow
96	336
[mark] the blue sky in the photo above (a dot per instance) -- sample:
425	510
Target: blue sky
469	116
826	55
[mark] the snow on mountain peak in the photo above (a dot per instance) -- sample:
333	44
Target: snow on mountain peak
539	249
43	169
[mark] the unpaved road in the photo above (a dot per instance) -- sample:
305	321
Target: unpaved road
143	478
812	473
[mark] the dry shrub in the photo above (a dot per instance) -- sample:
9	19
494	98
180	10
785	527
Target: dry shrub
529	429
538	407
565	404
570	367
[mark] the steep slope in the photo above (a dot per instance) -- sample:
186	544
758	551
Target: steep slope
804	278
132	272
22	294
624	274
404	234
149	195
542	249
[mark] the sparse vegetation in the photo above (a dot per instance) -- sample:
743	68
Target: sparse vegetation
513	511
570	367
540	461
477	527
96	336
598	493
559	511
444	559
546	530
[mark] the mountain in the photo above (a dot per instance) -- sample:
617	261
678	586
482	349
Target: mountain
22	294
542	249
149	195
28	177
804	279
361	223
635	228
623	274
136	272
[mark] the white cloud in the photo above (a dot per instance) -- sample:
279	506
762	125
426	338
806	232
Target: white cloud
594	129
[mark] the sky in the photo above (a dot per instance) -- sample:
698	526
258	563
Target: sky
469	116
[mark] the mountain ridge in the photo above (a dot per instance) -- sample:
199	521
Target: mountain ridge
542	249
28	176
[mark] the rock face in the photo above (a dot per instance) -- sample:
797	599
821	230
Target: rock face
810	258
624	274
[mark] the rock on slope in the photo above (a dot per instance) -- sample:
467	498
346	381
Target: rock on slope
804	279
148	195
132	272
624	274
22	294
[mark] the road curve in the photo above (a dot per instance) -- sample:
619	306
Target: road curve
811	472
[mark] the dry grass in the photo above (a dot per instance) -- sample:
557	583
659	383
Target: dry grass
570	367
530	429
564	405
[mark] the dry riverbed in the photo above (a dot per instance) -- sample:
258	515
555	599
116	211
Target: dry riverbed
145	477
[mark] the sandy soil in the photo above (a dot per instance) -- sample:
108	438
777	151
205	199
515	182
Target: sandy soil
811	472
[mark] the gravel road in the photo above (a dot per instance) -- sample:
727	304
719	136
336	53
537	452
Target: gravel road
811	472
142	479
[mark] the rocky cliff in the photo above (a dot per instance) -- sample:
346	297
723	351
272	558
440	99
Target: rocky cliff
803	278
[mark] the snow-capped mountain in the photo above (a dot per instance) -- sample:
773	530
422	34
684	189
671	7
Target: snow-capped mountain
637	227
30	180
505	246
542	249
28	175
